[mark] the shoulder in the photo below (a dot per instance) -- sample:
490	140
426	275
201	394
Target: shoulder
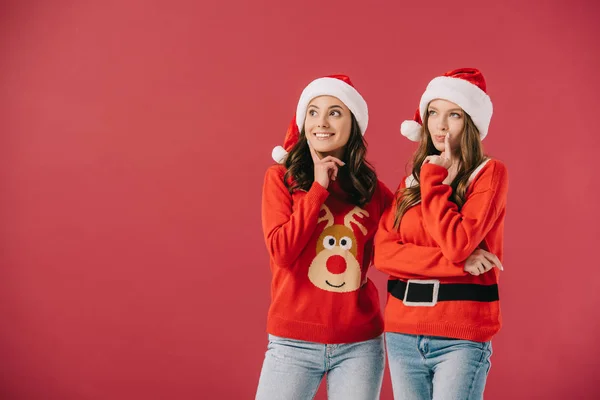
492	174
382	188
391	197
274	177
499	167
383	195
275	172
491	166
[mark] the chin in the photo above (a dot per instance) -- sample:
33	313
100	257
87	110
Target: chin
327	149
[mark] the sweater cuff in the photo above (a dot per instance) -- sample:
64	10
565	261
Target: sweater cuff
317	194
432	174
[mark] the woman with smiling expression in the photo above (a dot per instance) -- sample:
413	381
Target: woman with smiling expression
439	241
321	206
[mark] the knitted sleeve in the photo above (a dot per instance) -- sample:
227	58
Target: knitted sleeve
288	231
460	232
408	260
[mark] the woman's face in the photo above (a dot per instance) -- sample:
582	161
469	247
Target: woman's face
327	125
445	117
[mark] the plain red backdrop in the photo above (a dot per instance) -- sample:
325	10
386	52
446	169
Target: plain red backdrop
134	137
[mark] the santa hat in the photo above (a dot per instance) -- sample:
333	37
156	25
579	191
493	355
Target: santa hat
465	87
334	85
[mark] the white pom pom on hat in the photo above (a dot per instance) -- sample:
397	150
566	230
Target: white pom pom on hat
279	154
412	128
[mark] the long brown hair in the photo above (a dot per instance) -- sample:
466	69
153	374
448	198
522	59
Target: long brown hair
357	178
471	156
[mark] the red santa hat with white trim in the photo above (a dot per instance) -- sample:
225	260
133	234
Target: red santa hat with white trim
465	87
338	86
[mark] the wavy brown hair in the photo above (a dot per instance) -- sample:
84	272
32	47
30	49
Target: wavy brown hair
357	178
471	156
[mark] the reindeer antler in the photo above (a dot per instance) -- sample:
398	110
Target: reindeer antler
327	217
349	218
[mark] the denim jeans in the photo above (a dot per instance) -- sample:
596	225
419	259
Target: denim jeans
293	369
428	367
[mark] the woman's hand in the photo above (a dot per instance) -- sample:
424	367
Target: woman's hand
326	169
446	160
482	261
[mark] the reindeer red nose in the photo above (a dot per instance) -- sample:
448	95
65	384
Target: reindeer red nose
336	264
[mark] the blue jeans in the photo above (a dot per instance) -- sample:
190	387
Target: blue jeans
293	369
428	367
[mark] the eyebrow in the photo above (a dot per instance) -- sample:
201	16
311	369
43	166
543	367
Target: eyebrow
452	109
330	107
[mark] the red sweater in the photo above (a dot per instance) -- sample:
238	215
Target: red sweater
320	249
434	240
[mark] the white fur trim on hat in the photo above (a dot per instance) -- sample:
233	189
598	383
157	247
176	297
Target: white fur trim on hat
337	88
468	96
411	129
279	154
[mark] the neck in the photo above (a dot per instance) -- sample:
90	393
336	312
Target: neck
339	153
455	159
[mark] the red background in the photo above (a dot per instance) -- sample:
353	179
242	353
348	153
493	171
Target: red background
134	137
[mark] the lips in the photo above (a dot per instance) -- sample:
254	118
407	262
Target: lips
439	139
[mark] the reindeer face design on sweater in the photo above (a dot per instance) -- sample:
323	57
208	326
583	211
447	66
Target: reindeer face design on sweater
335	267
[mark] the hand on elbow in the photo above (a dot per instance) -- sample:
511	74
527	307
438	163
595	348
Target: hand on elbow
482	261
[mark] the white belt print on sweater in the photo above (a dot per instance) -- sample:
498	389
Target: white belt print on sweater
335	267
